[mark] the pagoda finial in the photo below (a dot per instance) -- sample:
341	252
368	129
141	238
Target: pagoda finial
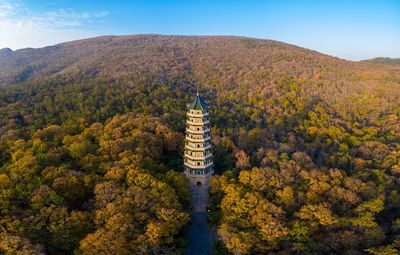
198	103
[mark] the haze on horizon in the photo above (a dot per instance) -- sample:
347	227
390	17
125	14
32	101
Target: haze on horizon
352	30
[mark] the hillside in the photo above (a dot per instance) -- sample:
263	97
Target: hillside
236	63
91	132
130	56
116	57
393	61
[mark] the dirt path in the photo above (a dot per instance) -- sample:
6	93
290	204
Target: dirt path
200	235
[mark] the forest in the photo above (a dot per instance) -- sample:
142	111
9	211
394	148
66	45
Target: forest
306	147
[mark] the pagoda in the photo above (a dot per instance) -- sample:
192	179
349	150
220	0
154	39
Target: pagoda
198	159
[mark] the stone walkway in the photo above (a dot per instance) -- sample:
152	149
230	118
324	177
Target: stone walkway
200	234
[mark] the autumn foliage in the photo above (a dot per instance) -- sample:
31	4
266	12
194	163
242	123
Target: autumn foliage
306	147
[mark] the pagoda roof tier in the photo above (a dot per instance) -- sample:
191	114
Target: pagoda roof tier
198	149
198	104
197	131
202	158
198	167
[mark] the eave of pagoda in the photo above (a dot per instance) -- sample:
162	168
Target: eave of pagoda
202	123
198	115
202	131
198	149
198	140
198	167
201	158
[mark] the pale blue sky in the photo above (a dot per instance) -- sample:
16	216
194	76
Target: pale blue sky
348	29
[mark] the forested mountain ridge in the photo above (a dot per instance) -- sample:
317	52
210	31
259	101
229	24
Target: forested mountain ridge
384	60
119	56
128	53
306	147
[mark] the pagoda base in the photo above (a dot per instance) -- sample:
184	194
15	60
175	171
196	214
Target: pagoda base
201	180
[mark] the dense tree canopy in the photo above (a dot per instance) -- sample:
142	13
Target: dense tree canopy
102	188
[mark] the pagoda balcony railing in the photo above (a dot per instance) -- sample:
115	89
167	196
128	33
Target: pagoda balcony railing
202	172
198	149
203	114
199	167
198	139
198	157
201	123
201	131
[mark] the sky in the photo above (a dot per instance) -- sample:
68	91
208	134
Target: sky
352	29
